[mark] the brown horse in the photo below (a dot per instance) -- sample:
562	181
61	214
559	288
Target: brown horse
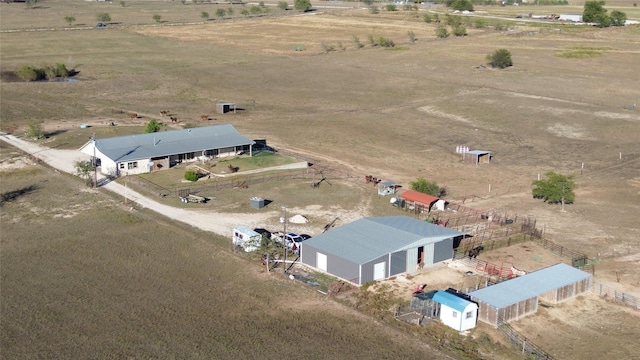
204	117
164	113
133	115
174	119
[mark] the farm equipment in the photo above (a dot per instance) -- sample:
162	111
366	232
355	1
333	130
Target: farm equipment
190	198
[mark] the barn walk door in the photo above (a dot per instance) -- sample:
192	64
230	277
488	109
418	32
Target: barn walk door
322	261
379	270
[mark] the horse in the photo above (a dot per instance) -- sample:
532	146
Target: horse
133	115
204	117
174	119
164	113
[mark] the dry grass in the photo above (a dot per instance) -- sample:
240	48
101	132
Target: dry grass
98	280
393	114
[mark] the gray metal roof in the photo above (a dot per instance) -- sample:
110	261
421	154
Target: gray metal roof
165	143
478	152
530	285
369	238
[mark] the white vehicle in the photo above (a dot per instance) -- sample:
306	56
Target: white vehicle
246	238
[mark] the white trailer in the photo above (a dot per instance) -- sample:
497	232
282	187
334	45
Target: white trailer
246	238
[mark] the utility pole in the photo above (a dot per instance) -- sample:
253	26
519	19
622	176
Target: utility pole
284	238
95	163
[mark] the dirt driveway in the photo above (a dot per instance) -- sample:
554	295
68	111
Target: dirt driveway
222	223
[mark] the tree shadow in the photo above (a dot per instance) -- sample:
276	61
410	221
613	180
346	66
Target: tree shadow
12	195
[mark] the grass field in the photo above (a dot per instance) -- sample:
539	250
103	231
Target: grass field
86	274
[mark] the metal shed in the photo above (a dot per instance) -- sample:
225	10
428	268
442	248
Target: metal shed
519	297
225	107
477	156
456	312
378	248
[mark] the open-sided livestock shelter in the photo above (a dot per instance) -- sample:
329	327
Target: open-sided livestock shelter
377	248
519	297
422	201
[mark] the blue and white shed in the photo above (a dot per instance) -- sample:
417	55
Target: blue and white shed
455	312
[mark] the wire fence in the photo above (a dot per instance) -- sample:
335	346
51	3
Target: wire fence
613	295
531	350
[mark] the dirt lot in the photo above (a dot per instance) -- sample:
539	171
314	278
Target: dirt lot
397	114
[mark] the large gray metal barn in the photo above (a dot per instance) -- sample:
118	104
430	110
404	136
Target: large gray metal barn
378	248
519	297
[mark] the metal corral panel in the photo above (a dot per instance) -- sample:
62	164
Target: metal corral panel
399	263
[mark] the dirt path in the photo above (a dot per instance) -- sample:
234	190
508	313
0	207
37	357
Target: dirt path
63	160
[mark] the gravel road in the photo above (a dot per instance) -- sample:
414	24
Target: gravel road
207	220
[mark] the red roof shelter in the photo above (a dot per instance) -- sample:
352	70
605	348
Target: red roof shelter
420	199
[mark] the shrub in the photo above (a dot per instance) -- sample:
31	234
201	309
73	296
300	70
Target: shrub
204	15
27	73
103	17
391	7
221	13
35	130
427	187
191	175
302	5
69	19
372	41
356	40
255	9
462	5
374	9
459	31
412	36
153	126
384	42
501	58
442	32
427	18
283	5
157	18
327	48
480	24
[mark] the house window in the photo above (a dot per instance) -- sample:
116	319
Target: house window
468	315
132	165
455	314
122	166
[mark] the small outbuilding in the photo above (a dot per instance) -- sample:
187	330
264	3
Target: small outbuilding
423	202
378	248
477	157
387	188
516	298
225	107
455	311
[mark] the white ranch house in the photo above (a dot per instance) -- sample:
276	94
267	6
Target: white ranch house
143	153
